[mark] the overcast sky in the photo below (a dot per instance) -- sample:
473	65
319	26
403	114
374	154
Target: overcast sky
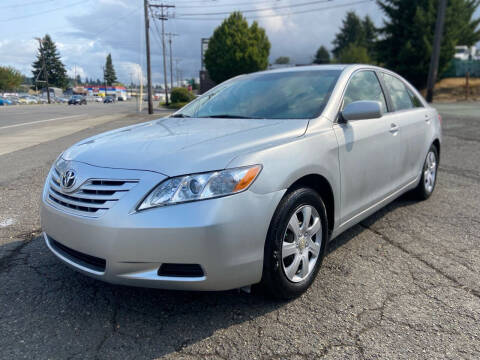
87	30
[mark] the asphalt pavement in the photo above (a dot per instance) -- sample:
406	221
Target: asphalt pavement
403	284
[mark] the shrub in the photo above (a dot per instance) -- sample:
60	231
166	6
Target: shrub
180	95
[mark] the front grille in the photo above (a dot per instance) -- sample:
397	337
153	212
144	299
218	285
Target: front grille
92	198
88	261
180	270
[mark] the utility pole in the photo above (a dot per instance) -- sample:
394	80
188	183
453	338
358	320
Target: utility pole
177	71
44	67
149	69
437	42
164	17
104	80
171	57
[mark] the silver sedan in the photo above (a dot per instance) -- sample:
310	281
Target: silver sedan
245	185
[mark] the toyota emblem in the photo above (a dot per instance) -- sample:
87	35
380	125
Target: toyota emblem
68	179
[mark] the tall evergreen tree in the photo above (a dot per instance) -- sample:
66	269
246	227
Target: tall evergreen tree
370	36
57	75
322	56
355	33
236	48
408	33
110	76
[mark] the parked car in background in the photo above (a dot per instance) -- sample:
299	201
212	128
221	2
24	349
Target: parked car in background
27	100
77	100
98	99
61	100
109	99
5	101
246	184
13	99
42	100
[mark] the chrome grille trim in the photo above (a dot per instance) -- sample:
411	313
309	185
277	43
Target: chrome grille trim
92	198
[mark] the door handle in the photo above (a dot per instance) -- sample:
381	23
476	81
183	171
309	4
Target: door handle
394	128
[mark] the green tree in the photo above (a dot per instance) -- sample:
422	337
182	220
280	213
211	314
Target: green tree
354	30
109	72
370	36
354	54
236	48
408	31
78	79
10	78
281	60
57	75
322	56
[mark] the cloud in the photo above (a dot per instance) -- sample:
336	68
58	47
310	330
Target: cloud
85	35
18	53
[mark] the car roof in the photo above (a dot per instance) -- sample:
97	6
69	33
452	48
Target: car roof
341	67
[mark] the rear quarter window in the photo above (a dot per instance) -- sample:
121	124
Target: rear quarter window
399	93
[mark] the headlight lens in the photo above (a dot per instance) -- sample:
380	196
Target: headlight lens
201	186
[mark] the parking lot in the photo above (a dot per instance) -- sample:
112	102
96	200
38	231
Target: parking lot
405	283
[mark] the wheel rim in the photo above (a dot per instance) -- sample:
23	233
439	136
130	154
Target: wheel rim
301	244
430	171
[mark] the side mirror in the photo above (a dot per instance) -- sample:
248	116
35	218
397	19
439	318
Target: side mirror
361	110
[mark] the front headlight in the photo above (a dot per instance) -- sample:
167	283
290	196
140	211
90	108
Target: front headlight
201	186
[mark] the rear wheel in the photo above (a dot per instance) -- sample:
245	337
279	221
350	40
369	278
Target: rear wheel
429	175
295	244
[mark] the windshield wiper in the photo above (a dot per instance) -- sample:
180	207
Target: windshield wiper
228	116
180	116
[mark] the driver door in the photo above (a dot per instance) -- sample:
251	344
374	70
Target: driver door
364	147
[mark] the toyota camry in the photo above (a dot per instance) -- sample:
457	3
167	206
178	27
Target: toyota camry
245	185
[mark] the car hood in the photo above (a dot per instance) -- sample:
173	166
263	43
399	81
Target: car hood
175	146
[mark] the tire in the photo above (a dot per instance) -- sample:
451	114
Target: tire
428	179
280	278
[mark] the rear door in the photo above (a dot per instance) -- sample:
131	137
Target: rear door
364	148
407	127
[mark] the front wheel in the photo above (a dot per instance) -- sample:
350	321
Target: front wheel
429	175
295	244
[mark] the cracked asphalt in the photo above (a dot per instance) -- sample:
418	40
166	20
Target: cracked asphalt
403	284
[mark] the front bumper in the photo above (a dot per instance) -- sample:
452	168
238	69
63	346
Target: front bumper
225	236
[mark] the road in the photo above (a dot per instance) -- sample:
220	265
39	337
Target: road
405	283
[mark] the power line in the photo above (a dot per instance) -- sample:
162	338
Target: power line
224	5
46	11
281	15
261	9
26	4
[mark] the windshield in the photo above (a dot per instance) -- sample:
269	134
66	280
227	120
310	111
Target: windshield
282	95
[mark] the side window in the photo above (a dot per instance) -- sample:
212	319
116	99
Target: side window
364	85
415	100
399	94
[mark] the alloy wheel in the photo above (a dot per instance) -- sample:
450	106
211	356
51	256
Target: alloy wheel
430	171
301	243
